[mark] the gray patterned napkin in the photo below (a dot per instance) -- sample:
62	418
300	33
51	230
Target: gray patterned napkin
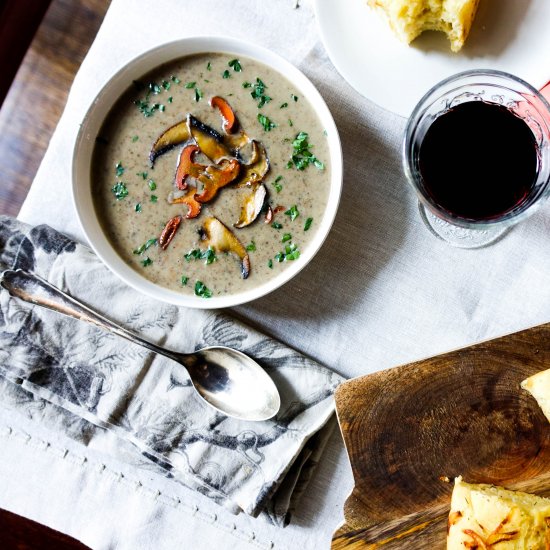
84	382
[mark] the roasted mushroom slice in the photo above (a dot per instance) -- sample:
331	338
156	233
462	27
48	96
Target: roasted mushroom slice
221	239
209	141
187	198
256	171
252	206
229	119
215	177
169	231
175	135
186	166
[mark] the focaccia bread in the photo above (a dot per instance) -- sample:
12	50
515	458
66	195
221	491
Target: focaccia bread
538	386
484	516
409	18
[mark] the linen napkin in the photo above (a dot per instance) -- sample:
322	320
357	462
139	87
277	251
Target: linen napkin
87	381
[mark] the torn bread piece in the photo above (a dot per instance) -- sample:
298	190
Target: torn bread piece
409	18
485	516
538	386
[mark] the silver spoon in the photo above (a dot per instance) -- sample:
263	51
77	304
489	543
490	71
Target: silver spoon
226	379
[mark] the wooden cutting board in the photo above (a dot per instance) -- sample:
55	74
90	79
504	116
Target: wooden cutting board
462	413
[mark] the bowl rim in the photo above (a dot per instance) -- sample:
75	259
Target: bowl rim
169	51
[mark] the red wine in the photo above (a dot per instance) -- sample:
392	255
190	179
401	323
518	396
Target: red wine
478	160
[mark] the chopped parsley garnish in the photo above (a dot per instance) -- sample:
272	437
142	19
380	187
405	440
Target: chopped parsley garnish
290	123
184	280
138	207
119	169
145	109
270	264
175	79
134	138
292	212
142	174
302	157
235	65
202	290
294	97
198	94
145	246
258	93
120	190
284	105
276	225
247	85
286	237
151	183
226	74
166	84
154	198
170	99
308	223
279	257
251	247
289	254
162	108
154	88
266	122
208	255
209	66
277	185
190	85
146	262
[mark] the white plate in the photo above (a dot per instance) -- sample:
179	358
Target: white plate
82	159
509	35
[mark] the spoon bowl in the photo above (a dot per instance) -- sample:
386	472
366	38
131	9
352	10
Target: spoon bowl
227	379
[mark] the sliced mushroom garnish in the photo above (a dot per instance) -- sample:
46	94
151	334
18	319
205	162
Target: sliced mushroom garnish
175	135
221	239
187	167
214	177
252	206
187	197
229	119
169	231
256	171
209	141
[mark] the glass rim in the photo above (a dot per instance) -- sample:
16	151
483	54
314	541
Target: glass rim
514	214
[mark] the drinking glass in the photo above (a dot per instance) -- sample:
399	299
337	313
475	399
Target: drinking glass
492	87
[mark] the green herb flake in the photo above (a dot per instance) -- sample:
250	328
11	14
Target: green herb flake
119	169
208	255
290	123
166	84
190	85
251	247
184	280
170	99
270	264
266	122
154	88
146	262
138	207
276	225
294	97
277	185
145	246
134	138
235	65
145	109
207	81
198	94
202	290
302	157
258	93
142	174
120	190
247	85
151	183
279	257
286	237
162	108
209	66
308	223
292	212
284	105
175	79
154	198
226	74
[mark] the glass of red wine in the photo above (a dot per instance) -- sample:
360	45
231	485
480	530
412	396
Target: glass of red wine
477	153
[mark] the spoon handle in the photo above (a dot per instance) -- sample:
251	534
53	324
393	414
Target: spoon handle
35	290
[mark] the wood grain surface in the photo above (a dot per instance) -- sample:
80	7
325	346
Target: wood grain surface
28	118
410	428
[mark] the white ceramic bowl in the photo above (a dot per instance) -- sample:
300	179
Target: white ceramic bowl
82	158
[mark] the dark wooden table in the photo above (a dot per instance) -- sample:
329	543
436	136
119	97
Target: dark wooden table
28	117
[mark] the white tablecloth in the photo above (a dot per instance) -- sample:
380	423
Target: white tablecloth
382	291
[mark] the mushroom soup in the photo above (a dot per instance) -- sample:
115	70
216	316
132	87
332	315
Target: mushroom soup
210	175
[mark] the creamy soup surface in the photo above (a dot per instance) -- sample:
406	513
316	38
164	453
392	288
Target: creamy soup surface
132	198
